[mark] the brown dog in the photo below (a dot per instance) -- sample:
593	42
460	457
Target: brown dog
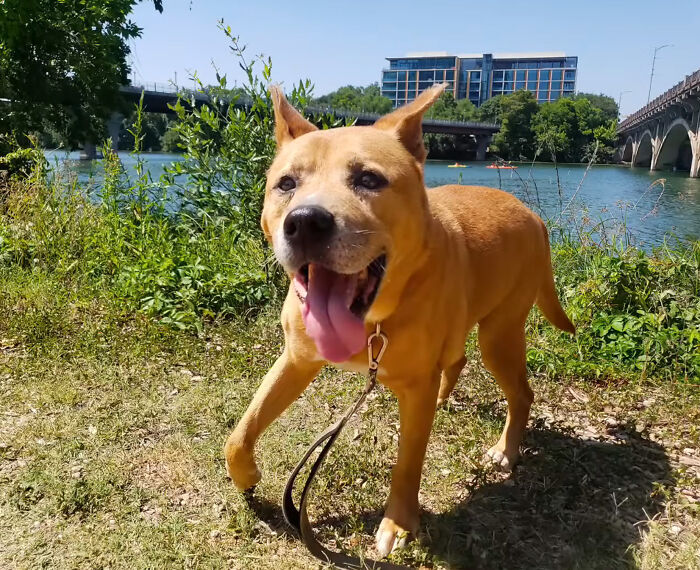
363	242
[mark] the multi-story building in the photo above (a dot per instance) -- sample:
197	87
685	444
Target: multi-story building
479	77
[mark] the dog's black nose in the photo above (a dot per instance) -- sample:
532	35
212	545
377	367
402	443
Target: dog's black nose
308	226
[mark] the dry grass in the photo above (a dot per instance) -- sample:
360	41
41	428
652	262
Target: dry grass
111	430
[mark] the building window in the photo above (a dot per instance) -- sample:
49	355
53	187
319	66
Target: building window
544	75
519	85
570	75
556	75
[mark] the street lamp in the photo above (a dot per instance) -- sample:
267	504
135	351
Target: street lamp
653	64
619	101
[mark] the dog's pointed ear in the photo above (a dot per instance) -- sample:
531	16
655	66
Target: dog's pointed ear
289	123
406	121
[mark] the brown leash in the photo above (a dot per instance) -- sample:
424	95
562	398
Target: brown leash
298	518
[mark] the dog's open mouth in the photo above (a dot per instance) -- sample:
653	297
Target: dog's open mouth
334	306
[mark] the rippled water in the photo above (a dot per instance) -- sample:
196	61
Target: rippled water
608	194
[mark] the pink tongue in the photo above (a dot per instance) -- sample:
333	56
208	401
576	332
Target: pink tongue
337	332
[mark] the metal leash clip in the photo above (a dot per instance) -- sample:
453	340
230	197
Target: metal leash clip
298	518
375	360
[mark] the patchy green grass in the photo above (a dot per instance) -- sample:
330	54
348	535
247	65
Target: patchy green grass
112	427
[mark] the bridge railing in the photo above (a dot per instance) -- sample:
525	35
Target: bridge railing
361	115
690	81
156	87
172	89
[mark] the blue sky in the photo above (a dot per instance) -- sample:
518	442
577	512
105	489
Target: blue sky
341	43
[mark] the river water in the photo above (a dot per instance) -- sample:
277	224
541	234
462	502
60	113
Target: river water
603	197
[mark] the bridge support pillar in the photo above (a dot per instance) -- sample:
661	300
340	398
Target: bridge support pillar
695	165
89	151
114	125
482	145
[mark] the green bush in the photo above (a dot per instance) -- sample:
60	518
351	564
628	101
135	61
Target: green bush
635	313
17	162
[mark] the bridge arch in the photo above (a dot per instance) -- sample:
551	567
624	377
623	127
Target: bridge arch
676	150
645	150
628	150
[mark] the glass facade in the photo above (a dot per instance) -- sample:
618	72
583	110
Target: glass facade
548	77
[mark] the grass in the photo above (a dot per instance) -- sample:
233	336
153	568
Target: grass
112	426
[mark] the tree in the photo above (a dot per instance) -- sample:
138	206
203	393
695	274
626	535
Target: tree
570	129
450	146
607	105
515	140
448	108
61	64
361	99
154	127
490	110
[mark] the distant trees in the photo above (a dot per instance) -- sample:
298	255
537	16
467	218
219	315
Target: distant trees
362	99
61	64
606	104
565	130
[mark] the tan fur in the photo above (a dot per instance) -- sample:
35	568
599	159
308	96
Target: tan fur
457	256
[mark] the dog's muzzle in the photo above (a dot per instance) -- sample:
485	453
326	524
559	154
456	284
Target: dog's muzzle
308	230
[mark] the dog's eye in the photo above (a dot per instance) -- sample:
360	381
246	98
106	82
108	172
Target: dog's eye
369	180
286	184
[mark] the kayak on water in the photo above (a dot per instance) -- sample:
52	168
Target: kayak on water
502	166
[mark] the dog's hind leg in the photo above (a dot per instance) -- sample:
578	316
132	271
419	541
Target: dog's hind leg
283	384
502	342
448	380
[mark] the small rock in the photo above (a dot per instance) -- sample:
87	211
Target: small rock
214	534
689	451
445	472
611	422
675	530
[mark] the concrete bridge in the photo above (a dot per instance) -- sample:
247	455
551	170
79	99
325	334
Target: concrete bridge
665	134
157	98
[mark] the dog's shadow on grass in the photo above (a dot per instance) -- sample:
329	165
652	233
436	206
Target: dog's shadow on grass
571	503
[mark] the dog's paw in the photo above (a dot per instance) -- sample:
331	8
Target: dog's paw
500	460
241	469
390	536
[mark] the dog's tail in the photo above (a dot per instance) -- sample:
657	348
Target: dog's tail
547	299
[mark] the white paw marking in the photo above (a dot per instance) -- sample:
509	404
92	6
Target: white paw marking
390	538
499	460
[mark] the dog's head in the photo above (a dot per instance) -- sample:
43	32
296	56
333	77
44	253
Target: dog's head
346	212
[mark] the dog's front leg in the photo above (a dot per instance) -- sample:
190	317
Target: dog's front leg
283	384
416	410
